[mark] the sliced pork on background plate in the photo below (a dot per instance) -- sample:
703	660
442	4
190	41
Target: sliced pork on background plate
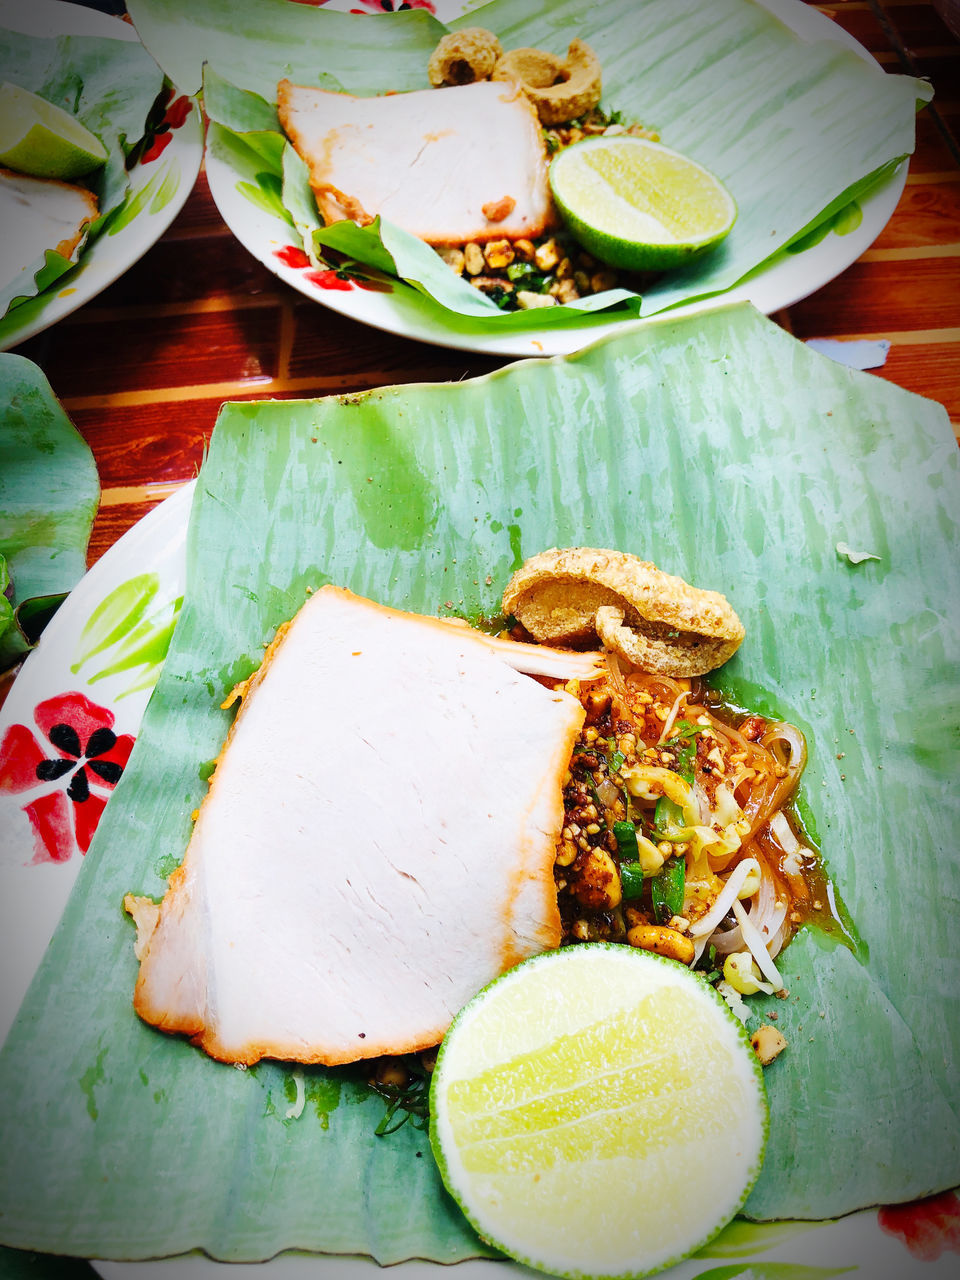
448	165
39	214
376	845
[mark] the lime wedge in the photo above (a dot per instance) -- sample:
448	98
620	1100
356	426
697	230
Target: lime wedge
638	205
598	1111
42	140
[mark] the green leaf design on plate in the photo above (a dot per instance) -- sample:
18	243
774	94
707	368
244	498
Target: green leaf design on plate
848	219
144	649
265	194
138	639
133	205
744	1239
167	190
771	1271
842	223
114	617
723	450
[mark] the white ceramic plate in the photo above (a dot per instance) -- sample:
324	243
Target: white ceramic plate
89	670
159	187
770	289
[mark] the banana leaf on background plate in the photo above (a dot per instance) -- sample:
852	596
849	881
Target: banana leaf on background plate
49	493
111	86
796	130
725	451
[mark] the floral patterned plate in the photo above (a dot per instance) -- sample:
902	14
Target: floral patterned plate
66	732
69	723
770	288
160	182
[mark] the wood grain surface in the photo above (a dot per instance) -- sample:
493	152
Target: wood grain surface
143	369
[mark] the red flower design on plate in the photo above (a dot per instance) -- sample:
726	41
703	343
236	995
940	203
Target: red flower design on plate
394	6
927	1227
72	768
174	117
380	6
156	148
328	277
291	256
178	111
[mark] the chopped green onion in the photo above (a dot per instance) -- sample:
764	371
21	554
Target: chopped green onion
685	729
707	964
682	742
625	834
631	872
527	275
667	890
631	880
668	821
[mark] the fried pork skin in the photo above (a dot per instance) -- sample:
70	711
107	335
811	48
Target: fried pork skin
427	161
654	620
377	842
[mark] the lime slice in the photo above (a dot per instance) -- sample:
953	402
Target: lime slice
42	140
598	1111
638	205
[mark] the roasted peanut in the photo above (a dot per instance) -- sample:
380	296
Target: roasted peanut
453	257
767	1043
473	258
662	939
597	882
498	254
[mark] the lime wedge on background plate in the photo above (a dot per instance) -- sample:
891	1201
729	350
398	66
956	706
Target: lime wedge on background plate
41	139
598	1111
638	205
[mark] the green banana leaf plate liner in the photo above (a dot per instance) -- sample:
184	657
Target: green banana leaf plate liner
49	493
111	87
798	131
727	452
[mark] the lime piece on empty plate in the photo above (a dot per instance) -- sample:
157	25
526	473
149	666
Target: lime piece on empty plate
42	140
638	205
598	1111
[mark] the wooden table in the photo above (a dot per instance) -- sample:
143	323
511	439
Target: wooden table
143	368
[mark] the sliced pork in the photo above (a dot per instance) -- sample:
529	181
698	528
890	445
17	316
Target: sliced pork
39	214
448	165
377	842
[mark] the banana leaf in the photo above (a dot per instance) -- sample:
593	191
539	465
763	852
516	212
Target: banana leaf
796	130
49	493
110	86
727	452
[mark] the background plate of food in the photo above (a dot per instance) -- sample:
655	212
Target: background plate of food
809	136
64	242
836	551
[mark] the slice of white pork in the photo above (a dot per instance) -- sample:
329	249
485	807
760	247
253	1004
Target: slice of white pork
448	165
377	842
37	214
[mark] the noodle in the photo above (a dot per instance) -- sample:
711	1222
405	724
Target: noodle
674	816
